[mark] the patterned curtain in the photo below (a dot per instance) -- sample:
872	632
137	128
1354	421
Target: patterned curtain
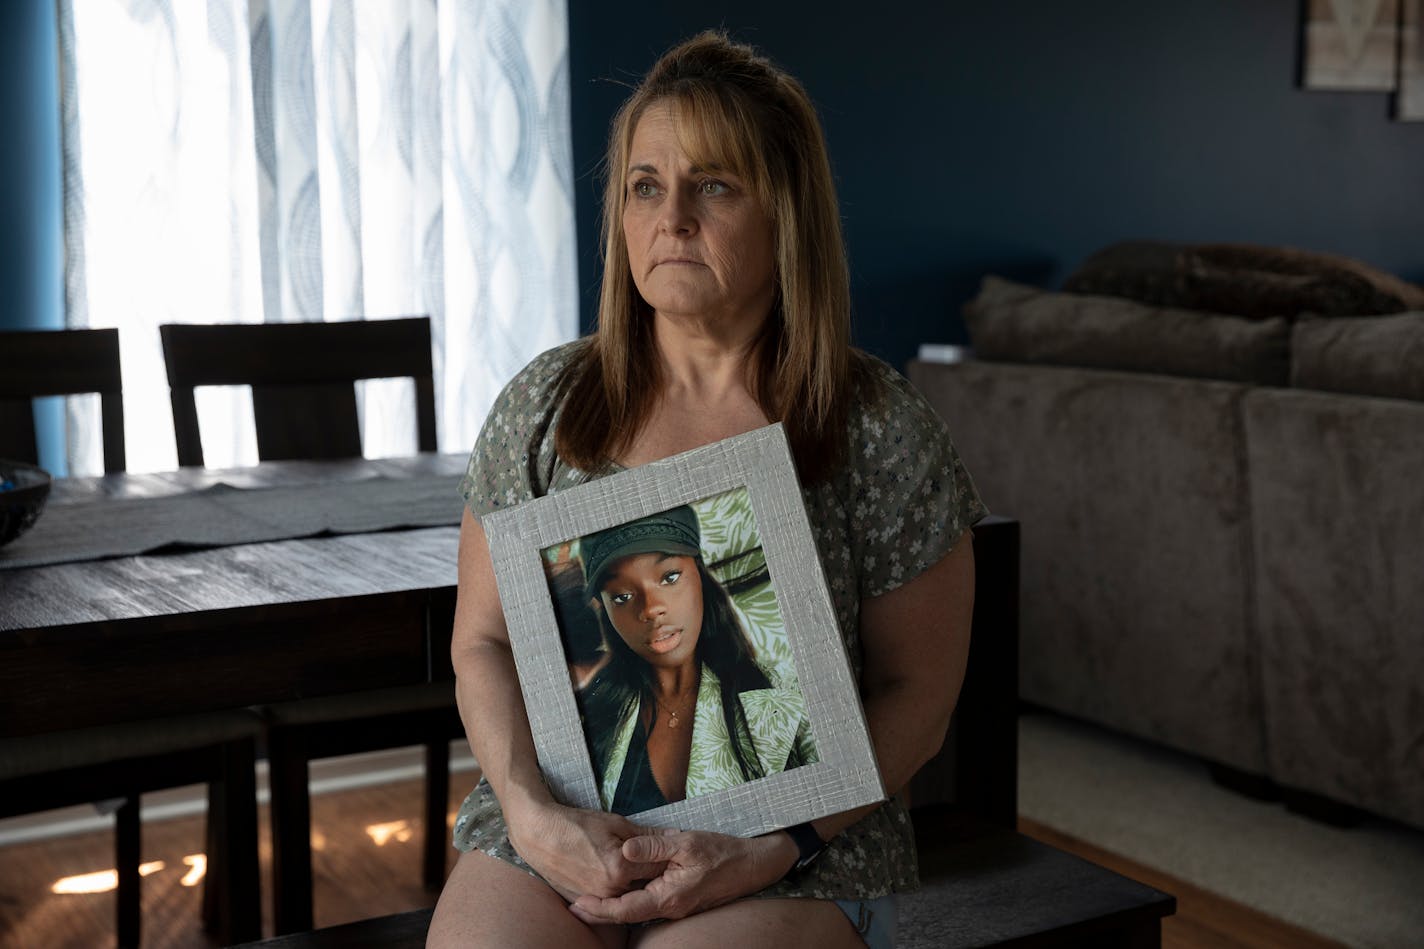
284	160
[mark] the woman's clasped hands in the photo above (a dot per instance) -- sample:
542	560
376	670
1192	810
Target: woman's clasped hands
700	870
580	852
612	870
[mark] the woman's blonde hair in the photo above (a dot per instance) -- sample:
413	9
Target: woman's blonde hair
734	109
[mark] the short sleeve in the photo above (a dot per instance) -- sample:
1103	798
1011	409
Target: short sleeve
911	497
516	440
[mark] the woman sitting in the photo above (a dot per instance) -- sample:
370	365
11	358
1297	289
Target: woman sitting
725	306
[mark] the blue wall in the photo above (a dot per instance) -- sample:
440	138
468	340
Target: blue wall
31	240
1018	138
31	243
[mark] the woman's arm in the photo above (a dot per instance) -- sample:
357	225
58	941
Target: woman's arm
575	851
915	642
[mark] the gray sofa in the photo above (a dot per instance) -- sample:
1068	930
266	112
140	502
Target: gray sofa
1222	526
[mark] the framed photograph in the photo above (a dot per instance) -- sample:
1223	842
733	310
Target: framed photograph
677	647
1350	45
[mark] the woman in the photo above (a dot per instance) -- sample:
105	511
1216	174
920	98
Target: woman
725	305
681	686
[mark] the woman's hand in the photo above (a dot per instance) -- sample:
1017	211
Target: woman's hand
581	852
701	870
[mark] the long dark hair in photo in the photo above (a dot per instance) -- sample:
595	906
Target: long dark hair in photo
625	681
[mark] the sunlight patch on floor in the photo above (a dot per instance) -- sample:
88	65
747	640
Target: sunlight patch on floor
100	881
400	831
197	869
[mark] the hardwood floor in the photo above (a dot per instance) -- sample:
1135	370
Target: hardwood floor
1203	920
366	854
365	862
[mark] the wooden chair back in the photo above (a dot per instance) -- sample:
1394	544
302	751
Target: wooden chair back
36	363
303	379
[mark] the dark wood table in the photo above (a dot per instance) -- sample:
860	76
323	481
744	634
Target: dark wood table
135	637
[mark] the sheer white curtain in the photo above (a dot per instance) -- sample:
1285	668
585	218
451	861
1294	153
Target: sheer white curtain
283	160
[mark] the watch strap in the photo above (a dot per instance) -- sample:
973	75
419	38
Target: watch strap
808	845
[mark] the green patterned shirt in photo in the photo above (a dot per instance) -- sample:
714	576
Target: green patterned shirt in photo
776	716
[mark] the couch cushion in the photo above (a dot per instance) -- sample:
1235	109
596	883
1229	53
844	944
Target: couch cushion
1378	355
1243	279
1010	322
1134	597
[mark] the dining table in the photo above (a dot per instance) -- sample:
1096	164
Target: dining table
140	595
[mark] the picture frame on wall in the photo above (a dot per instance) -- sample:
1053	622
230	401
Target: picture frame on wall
1350	45
698	570
1409	97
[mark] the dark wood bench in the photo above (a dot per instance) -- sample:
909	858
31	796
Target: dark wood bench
383	932
982	886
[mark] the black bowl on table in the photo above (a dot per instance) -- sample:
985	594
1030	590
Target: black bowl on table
23	489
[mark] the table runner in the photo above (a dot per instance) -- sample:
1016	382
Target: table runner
222	515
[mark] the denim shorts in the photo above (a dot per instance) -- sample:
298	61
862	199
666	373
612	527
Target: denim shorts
875	920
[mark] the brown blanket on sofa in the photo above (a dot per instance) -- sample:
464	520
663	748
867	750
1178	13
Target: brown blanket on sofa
1243	280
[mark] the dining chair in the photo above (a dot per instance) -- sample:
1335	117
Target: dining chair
303	379
123	761
36	363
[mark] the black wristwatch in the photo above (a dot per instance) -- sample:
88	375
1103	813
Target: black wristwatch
808	846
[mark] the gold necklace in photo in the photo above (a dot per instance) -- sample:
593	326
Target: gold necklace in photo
673	713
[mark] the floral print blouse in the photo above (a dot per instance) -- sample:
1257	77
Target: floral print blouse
895	508
776	716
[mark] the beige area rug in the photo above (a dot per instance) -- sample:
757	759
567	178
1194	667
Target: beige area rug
1363	886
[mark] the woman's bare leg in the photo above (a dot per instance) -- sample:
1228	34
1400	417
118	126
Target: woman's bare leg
774	924
487	902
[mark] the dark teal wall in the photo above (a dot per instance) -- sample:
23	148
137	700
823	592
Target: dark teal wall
31	238
1019	137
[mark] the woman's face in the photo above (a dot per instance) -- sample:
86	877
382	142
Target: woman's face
699	243
654	602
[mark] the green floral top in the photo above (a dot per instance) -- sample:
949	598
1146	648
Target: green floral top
894	509
776	716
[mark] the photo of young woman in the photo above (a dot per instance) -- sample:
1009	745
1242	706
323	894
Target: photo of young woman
681	703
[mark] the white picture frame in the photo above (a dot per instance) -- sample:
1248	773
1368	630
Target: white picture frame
1350	45
845	776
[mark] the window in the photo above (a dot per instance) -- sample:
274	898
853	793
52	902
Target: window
280	160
